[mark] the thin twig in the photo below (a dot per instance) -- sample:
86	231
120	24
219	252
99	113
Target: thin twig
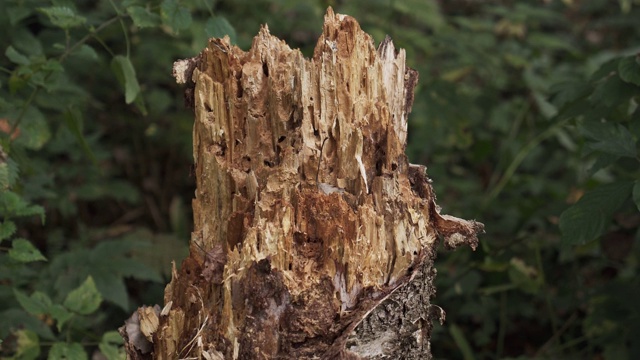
555	336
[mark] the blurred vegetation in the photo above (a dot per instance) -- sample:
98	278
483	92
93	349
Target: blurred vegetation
526	115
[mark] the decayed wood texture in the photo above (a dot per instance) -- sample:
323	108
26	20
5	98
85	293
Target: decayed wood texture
314	237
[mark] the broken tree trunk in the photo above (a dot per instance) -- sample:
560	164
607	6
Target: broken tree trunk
314	237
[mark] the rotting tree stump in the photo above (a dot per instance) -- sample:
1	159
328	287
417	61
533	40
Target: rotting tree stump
314	237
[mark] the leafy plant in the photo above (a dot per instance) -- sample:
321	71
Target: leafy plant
61	62
526	115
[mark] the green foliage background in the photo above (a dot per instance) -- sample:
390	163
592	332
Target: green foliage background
526	115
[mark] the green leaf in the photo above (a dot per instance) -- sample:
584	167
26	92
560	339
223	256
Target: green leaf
37	304
609	138
9	173
140	105
28	345
27	42
60	314
34	129
86	53
31	210
634	123
7	228
62	16
67	351
218	27
24	251
116	189
112	337
112	287
629	70
109	346
12	205
636	193
126	75
74	121
142	17
427	12
17	14
15	317
112	352
612	92
550	42
12	54
602	161
176	16
606	69
85	299
586	220
524	276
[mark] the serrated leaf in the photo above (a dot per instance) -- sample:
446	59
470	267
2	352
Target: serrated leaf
31	210
602	161
218	27
23	251
85	299
74	121
12	205
612	92
629	70
636	193
67	351
37	304
609	138
126	75
586	220
63	16
9	173
28	345
12	54
176	16
60	314
9	201
605	69
142	17
112	287
7	228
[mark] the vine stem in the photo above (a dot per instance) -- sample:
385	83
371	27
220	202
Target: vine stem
68	51
557	335
88	36
522	154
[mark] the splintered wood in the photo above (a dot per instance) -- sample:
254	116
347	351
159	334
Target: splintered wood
283	265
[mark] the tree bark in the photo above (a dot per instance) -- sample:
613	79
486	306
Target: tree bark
314	237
